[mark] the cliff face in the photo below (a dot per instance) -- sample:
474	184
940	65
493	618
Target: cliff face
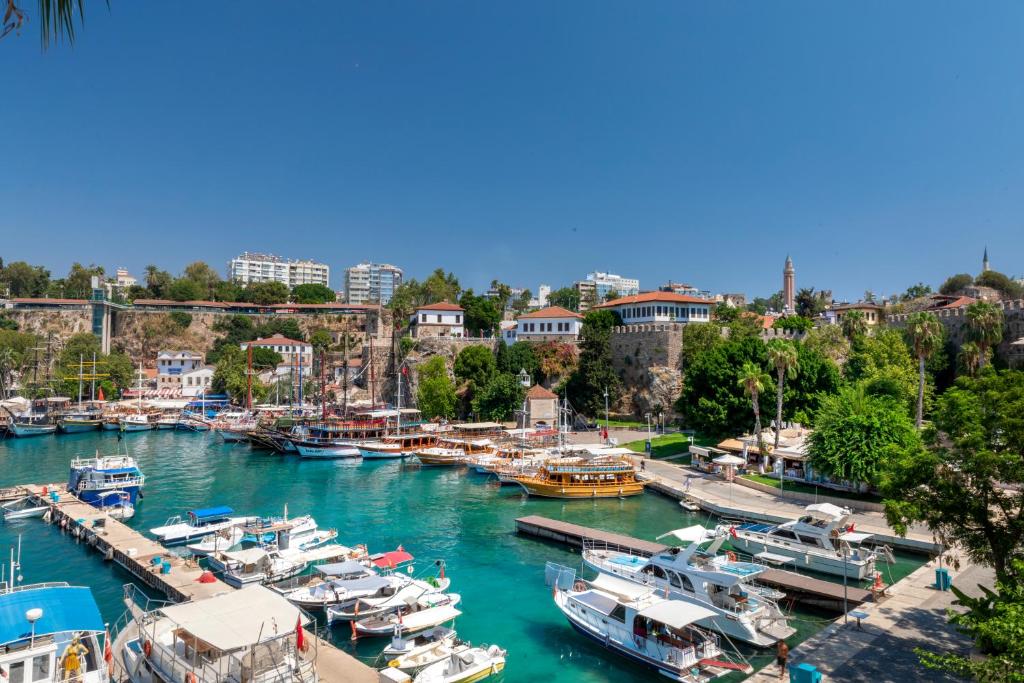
61	324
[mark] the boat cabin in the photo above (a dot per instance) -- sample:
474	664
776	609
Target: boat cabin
208	516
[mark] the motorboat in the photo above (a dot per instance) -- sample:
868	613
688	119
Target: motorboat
26	428
326	449
116	504
453	451
823	540
364	608
225	539
251	635
464	665
698	574
192	423
197	524
397	446
24	508
345	590
412	652
300	532
432	609
136	422
73	424
632	621
239	568
577	477
91	478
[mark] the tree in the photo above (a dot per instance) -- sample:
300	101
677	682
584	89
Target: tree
15	353
819	376
404	301
476	365
1006	287
499	399
698	338
956	283
226	290
205	277
794	323
320	340
753	381
555	360
521	303
24	280
925	333
56	20
566	297
266	293
594	373
724	313
502	294
856	435
7	324
984	326
441	286
78	283
829	341
967	483
854	325
970	358
518	356
482	315
808	303
916	292
157	281
230	376
761	305
264	358
782	356
435	392
184	289
313	293
712	400
883	363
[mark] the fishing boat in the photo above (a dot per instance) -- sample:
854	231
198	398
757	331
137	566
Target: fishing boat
455	451
225	539
50	632
73	424
343	590
167	421
251	635
24	508
631	621
91	478
823	540
326	449
410	653
432	609
698	574
111	423
255	565
23	428
197	524
116	504
397	446
464	665
577	477
135	422
363	608
300	532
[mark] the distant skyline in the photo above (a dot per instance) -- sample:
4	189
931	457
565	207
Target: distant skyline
879	144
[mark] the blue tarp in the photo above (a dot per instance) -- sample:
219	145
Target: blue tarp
65	608
121	470
205	513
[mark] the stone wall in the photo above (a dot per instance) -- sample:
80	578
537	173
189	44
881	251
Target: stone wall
646	358
60	323
955	322
424	348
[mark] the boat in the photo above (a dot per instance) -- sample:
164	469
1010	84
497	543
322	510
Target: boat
363	608
192	423
76	424
631	621
699	575
343	590
823	540
577	477
300	532
24	508
326	449
251	635
91	478
135	422
198	524
453	451
51	632
464	665
689	504
112	423
409	653
239	568
397	446
167	421
432	609
225	539
26	428
117	504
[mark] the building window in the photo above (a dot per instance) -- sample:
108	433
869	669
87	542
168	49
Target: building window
458	319
439	317
41	668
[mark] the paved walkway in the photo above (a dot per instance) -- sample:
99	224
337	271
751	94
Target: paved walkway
913	616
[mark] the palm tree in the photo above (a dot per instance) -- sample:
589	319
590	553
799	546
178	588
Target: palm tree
855	325
970	358
925	333
984	327
783	357
753	380
56	19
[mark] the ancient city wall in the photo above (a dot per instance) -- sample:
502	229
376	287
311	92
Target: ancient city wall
955	322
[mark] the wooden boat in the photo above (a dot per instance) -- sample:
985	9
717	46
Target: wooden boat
430	610
72	425
581	478
452	451
326	449
398	446
26	429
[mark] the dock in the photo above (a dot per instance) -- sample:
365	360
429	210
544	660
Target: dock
798	587
133	551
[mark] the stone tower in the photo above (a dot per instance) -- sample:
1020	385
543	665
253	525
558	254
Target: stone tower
789	287
984	261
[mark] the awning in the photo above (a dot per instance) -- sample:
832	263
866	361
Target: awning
729	460
690	534
854	536
620	587
391	559
204	513
826	510
343	568
237	619
363	584
65	609
676	613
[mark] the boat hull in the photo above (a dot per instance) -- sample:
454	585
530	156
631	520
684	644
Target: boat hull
23	431
134	426
76	426
543	489
636	657
327	451
384	455
835	566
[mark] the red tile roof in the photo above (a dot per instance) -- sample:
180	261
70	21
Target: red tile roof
552	312
440	306
277	340
50	301
654	297
959	301
537	391
168	302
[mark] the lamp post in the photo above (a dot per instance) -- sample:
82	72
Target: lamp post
648	445
846	608
524	381
606	414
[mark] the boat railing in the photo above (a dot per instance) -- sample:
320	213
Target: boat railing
4	588
596	545
97	485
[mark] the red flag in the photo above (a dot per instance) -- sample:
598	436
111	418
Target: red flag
405	369
300	637
101	394
108	654
732	531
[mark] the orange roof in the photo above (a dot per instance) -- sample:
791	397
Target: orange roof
439	306
168	302
654	297
959	301
767	321
44	300
276	340
552	312
537	391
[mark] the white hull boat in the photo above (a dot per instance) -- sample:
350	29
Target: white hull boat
464	665
428	611
327	450
410	653
199	524
226	539
24	508
370	607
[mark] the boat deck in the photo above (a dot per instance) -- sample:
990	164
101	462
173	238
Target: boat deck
798	587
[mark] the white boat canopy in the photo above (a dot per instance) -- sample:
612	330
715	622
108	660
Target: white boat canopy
729	459
478	425
237	619
622	588
690	534
826	510
605	450
854	536
246	555
676	613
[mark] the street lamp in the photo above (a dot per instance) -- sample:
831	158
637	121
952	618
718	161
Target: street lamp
524	380
846	607
606	413
648	446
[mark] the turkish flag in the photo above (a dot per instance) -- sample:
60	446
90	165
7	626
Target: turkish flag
300	637
101	394
108	654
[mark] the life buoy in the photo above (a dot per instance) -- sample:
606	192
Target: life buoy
731	555
147	648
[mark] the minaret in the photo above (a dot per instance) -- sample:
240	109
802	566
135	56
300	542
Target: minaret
789	287
984	261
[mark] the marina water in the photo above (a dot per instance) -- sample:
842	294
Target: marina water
435	513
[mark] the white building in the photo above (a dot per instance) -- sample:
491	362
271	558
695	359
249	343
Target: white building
253	267
508	331
196	382
292	352
438	320
172	366
610	282
549	324
125	279
660	307
541	300
371	283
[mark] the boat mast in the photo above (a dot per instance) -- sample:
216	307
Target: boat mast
92	377
140	388
248	380
344	379
81	367
398	416
323	385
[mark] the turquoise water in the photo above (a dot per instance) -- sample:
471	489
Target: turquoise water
433	512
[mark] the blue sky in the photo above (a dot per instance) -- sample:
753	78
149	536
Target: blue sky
879	143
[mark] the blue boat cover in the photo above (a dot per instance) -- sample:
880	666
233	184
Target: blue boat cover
121	470
65	608
205	513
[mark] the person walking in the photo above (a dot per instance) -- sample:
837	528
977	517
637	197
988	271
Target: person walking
781	655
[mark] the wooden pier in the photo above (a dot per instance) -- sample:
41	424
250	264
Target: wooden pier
798	587
133	551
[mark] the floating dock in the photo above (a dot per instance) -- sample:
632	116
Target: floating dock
798	587
133	551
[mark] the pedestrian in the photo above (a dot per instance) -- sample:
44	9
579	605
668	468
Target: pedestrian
643	465
781	655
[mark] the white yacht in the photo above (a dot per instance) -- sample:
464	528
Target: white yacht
697	574
823	540
245	635
346	582
416	615
198	524
225	539
256	565
374	606
631	621
300	532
